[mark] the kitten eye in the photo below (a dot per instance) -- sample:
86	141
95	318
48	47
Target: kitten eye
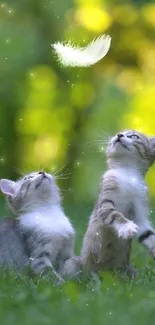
133	136
27	177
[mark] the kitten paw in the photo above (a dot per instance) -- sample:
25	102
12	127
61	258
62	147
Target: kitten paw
127	230
130	271
152	246
152	252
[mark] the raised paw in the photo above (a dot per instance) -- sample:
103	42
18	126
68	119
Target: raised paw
150	244
127	230
132	272
152	252
59	279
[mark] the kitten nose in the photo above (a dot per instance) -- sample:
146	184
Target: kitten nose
41	173
119	135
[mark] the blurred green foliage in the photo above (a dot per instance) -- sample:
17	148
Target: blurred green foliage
61	118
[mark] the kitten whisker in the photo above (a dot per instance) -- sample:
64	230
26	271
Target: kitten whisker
60	169
101	151
69	190
65	174
105	133
97	145
96	142
61	177
89	142
18	171
45	166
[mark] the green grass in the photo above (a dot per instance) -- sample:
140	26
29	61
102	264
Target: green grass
116	301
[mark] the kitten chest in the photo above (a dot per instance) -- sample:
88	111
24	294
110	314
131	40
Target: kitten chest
132	191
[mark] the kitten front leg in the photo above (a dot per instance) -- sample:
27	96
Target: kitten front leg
106	212
123	227
93	239
72	268
42	266
42	257
69	265
147	239
146	233
130	271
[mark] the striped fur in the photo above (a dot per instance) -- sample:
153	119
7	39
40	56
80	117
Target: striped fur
48	234
121	211
13	253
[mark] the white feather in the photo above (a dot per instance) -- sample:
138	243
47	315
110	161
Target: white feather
69	55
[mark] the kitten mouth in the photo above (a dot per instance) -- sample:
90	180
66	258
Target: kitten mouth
119	141
40	181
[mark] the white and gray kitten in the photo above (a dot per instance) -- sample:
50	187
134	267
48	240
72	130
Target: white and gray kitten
41	224
121	211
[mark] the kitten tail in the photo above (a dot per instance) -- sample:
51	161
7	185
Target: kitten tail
69	55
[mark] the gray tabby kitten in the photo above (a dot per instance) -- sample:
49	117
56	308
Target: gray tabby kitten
121	211
13	252
40	223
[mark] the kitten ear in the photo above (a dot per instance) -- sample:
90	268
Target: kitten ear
7	187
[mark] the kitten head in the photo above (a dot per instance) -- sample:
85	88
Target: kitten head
35	190
131	148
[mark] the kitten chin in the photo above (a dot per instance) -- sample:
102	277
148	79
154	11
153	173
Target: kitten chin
36	189
131	149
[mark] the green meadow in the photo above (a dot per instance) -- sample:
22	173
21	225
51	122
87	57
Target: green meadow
61	119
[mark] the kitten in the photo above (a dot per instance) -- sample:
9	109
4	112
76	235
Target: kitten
41	222
121	211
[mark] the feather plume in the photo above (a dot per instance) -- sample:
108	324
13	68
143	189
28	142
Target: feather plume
69	55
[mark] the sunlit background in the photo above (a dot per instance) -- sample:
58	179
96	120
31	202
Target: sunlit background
56	117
